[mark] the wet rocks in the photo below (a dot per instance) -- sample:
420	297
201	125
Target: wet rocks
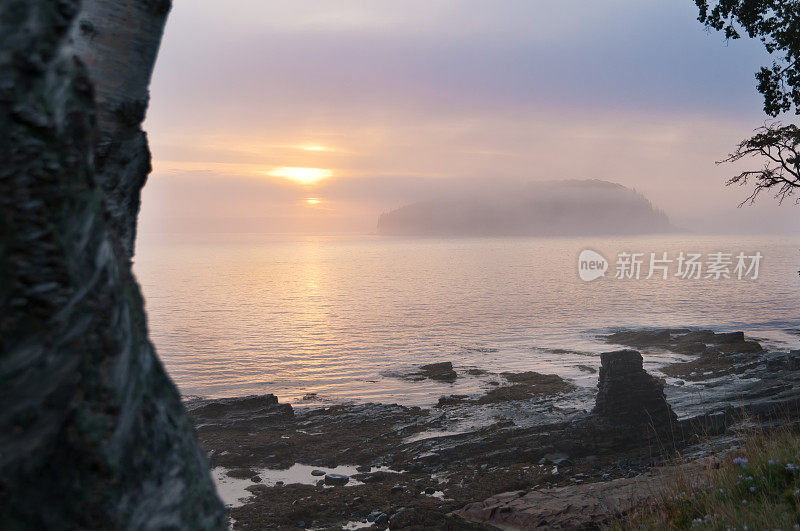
247	410
525	385
556	458
336	479
578	506
787	362
506	393
719	354
571	454
628	395
377	517
452	400
441	372
258	432
569	450
404	517
498	395
685	341
642	338
540	384
241	473
711	364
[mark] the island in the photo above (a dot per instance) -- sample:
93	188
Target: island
563	208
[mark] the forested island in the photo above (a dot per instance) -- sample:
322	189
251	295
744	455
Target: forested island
563	208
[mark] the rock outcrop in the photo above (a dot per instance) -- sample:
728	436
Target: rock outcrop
589	506
93	434
239	413
685	341
628	395
718	354
442	372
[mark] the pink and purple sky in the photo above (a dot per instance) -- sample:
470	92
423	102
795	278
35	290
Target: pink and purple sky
318	115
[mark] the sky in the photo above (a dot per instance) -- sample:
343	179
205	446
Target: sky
315	116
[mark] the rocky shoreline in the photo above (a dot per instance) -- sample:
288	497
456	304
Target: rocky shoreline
514	457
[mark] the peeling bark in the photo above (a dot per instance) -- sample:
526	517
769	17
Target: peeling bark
117	41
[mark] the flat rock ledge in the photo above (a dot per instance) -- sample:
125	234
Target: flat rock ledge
573	507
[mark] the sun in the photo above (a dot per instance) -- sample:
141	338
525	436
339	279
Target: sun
305	176
314	147
312	201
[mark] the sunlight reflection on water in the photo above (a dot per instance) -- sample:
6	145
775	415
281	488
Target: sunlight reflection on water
342	316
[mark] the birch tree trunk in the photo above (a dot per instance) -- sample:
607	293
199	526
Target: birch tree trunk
93	434
117	41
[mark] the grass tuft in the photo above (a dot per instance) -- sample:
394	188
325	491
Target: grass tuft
755	487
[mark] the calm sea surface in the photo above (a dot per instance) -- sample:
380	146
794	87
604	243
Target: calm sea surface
343	317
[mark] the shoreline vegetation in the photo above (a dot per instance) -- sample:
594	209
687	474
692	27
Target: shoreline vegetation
756	485
518	456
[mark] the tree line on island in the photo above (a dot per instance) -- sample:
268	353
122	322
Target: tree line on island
560	208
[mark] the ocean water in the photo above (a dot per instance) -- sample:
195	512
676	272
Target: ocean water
346	317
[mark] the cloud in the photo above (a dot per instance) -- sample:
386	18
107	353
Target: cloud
419	97
267	62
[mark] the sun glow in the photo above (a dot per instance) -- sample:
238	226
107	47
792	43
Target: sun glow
314	148
312	201
304	176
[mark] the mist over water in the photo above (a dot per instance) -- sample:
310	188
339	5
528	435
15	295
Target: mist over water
343	316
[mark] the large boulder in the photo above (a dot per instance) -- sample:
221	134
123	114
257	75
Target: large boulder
628	395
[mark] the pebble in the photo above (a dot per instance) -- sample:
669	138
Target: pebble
430	490
397	489
256	479
317	473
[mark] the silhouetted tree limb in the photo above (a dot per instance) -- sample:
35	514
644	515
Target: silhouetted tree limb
779	145
776	23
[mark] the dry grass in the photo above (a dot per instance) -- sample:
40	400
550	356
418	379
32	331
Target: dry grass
755	487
